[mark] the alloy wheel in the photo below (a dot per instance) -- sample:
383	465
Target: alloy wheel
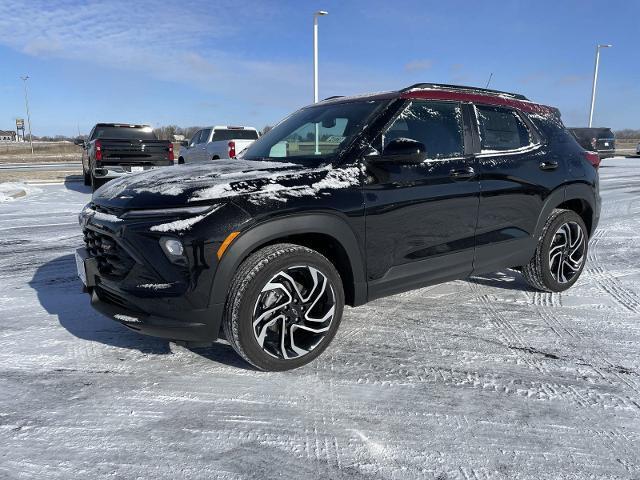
566	254
293	312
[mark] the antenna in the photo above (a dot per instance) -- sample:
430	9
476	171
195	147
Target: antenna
489	81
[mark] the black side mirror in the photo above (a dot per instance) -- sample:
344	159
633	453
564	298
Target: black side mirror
79	142
404	150
184	143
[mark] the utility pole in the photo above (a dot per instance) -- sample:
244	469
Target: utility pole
595	81
24	78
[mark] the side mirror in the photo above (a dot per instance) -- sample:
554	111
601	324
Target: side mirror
184	143
79	142
404	150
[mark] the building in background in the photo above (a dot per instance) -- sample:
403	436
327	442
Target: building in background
7	136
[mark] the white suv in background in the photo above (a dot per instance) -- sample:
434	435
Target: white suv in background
214	143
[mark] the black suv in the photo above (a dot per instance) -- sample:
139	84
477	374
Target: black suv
344	201
599	140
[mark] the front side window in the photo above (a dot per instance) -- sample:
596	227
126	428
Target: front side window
204	136
314	133
195	139
437	125
501	129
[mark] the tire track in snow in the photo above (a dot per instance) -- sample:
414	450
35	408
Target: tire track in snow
606	281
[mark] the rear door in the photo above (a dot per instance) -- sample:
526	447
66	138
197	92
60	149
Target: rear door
518	171
421	218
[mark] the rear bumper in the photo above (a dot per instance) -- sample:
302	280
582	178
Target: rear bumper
115	171
606	154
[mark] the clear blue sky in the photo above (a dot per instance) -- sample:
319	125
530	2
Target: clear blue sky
249	62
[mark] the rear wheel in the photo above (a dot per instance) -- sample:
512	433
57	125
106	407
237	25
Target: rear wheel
215	157
561	253
284	307
96	183
86	177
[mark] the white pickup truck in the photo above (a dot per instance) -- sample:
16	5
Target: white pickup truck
213	143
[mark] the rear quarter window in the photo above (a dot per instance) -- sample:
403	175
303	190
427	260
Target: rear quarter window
234	134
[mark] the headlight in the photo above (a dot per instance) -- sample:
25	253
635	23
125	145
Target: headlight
173	249
167	212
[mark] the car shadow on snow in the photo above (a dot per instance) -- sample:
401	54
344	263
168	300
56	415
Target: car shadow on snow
75	183
508	279
60	293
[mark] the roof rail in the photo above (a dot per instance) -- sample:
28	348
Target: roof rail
332	97
445	86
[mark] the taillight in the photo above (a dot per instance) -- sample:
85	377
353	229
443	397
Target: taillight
593	158
98	146
171	157
232	149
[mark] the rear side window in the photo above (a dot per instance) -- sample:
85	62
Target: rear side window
234	134
438	125
501	129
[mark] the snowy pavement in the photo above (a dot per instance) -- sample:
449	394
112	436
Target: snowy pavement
471	379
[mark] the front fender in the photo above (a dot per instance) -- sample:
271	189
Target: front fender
264	233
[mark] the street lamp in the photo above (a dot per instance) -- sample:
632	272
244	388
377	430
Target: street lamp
595	81
24	78
319	13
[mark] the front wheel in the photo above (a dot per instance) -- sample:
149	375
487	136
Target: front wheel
284	307
561	253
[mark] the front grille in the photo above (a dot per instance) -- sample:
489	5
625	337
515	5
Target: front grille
109	210
113	261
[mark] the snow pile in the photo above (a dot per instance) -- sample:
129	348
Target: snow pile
11	191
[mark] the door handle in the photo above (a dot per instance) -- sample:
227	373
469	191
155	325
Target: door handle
462	173
548	165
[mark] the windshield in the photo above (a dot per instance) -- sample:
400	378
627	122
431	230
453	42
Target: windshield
314	133
124	133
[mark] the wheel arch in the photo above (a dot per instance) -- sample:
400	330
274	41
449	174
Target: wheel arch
327	233
578	197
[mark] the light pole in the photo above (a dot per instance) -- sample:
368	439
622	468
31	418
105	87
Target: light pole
595	81
319	13
24	78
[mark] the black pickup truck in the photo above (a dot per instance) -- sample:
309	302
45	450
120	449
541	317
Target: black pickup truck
116	149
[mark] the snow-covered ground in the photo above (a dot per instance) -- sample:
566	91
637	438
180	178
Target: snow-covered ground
471	379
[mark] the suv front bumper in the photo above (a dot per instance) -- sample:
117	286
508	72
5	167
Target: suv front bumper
135	313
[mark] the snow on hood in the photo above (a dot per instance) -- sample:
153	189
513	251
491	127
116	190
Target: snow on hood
258	181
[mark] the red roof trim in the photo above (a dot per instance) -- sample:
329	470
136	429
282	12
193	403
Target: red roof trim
526	106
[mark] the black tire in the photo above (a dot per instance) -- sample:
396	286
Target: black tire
86	177
247	289
96	183
180	161
538	272
215	157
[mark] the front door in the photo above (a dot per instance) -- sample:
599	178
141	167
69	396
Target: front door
421	218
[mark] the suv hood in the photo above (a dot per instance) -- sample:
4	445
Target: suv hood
254	181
